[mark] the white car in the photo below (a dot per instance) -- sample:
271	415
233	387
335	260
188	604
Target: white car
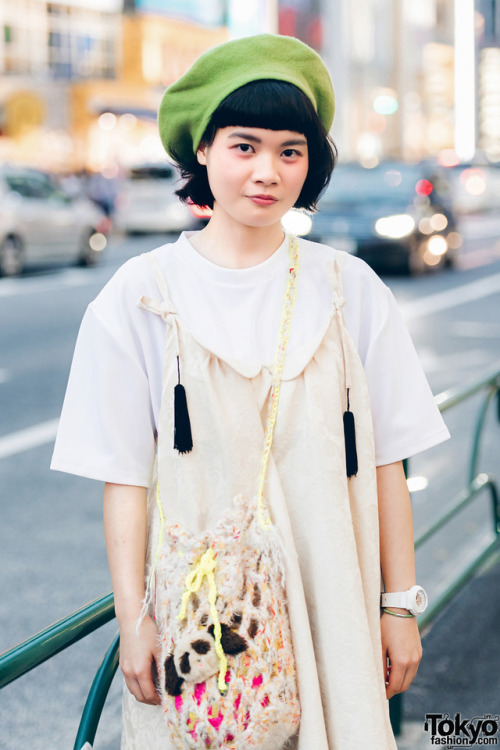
40	224
146	202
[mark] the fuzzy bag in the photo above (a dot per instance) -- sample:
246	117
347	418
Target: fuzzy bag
227	671
227	674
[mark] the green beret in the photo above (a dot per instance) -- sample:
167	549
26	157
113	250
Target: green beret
189	103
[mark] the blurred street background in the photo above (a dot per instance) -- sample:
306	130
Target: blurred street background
85	185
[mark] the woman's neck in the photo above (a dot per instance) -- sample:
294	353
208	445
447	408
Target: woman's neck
234	245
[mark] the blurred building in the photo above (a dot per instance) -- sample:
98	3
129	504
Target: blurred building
44	46
393	65
55	40
81	80
302	19
489	78
115	121
414	79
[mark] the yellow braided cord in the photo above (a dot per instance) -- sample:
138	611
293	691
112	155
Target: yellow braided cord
286	320
194	579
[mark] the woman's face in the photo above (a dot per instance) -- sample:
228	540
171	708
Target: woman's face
255	175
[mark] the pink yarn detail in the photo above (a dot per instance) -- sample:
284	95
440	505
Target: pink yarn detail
265	702
178	703
191	727
199	691
216	721
227	678
257	681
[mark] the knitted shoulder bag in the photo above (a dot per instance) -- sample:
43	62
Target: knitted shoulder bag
227	670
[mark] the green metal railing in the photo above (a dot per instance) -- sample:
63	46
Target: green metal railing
44	645
49	642
477	482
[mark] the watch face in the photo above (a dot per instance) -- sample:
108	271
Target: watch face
420	600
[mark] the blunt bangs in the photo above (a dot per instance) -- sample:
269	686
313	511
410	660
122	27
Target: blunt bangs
272	105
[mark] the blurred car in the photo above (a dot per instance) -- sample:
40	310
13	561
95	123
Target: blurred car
146	202
395	216
476	187
40	224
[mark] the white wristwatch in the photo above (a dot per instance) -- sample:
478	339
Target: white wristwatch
414	600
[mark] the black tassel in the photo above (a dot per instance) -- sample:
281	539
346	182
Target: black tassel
183	441
351	455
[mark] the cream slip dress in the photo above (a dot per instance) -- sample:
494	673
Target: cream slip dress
328	523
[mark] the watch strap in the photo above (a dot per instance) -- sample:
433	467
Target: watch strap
397	599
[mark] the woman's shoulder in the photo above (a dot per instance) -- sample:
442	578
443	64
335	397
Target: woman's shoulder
134	278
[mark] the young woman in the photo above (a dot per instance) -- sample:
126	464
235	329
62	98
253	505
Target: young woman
248	125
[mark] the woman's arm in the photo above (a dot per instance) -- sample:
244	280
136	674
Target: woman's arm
400	636
125	533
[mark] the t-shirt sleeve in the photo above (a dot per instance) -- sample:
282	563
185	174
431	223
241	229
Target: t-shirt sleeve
106	431
406	419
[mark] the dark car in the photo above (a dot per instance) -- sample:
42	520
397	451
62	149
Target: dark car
395	216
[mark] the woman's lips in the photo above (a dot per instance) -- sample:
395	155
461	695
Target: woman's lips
263	200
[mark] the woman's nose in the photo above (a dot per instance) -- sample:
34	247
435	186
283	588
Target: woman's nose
265	169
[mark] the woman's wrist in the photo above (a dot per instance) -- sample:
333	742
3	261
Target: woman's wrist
128	611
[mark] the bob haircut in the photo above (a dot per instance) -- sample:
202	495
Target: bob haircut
273	105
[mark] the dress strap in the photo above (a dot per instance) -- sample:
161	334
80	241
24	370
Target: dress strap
158	274
334	273
165	307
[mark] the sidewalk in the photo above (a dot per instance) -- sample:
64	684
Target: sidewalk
460	670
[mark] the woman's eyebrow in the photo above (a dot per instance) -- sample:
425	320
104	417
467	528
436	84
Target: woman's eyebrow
246	136
254	139
295	142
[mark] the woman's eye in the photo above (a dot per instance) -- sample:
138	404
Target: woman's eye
289	152
244	148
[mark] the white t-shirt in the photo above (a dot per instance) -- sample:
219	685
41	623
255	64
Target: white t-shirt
112	403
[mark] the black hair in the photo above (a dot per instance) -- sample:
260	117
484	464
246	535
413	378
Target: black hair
273	105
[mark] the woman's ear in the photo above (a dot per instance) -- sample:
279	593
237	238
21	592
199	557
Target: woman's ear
201	154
